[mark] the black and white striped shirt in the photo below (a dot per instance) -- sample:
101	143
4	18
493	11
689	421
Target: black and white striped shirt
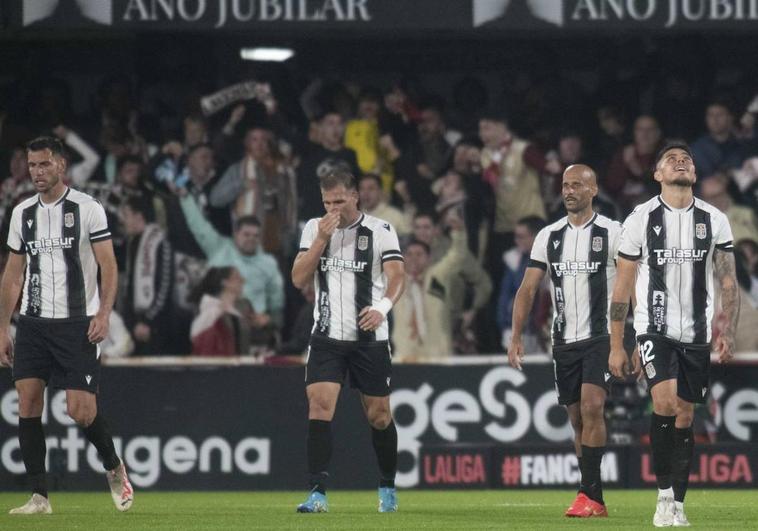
675	272
350	277
61	270
581	263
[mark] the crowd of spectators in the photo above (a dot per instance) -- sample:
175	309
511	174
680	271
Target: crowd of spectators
206	216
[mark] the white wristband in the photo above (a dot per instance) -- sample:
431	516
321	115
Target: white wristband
383	306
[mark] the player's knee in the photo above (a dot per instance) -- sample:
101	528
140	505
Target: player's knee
319	409
30	405
684	417
666	406
379	418
81	414
592	411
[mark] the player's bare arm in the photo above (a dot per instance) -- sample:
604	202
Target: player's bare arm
618	362
306	262
724	269
10	289
371	317
106	260
522	306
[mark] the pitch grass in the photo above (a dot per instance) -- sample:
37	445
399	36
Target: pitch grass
356	510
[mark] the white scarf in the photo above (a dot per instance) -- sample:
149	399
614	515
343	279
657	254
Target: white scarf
145	266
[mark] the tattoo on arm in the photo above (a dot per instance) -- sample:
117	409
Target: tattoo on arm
619	311
725	270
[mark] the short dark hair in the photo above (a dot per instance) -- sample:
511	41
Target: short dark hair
414	241
42	143
495	114
143	205
533	223
673	144
197	146
246	220
336	177
371	177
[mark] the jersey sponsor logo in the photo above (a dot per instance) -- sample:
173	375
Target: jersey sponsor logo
700	231
29	223
657	229
569	268
362	243
340	265
679	256
68	220
556	243
48	245
597	244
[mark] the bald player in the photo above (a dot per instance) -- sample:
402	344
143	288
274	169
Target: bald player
578	252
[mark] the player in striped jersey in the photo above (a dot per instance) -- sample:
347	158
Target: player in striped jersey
357	267
58	240
578	252
671	247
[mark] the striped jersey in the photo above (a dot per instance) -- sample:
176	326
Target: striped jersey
350	277
61	270
581	263
675	249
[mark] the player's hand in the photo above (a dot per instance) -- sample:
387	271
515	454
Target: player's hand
725	347
6	349
98	328
516	353
618	363
327	225
370	319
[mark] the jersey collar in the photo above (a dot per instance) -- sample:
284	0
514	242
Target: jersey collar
58	202
358	222
672	209
590	222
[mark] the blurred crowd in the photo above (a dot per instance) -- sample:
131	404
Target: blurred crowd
206	207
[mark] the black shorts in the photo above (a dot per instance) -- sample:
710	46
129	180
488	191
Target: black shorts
665	359
367	362
57	348
583	362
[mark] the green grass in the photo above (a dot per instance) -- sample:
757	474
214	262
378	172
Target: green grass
351	510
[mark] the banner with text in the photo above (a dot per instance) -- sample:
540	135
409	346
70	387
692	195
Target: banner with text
245	427
390	16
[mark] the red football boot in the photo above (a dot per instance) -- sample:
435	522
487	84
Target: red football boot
584	507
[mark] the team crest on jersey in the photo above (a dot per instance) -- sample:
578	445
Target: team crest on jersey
700	231
597	244
68	220
362	243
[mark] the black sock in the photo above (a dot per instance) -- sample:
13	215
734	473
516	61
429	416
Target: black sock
31	438
580	463
319	453
662	442
385	446
684	449
591	483
97	433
